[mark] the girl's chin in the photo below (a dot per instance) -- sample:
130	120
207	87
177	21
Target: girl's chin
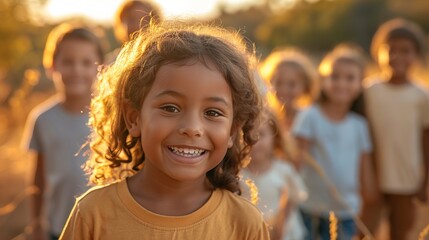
187	176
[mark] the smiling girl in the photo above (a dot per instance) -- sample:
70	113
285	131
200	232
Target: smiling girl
175	115
335	134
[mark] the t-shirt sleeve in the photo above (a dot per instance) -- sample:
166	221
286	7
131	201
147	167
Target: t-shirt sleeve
31	137
76	228
263	233
425	111
365	139
302	126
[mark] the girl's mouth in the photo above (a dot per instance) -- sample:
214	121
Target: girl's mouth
187	151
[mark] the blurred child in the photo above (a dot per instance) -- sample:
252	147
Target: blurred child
57	129
292	77
336	136
132	16
178	106
276	179
398	110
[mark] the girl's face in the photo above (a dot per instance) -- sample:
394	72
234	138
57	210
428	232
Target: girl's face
401	54
75	69
185	122
344	84
289	84
264	147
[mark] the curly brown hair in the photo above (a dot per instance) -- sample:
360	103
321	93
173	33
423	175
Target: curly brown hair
115	153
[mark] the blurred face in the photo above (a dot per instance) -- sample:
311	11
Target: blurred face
185	122
264	147
344	84
399	54
289	84
132	19
75	69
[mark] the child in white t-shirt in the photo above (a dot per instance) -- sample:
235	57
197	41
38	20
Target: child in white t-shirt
279	186
336	136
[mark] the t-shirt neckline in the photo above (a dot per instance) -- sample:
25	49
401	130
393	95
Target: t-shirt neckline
330	121
163	220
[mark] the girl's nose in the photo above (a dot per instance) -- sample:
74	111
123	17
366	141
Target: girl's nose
191	131
192	126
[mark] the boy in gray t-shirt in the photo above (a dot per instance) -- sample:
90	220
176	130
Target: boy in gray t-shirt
57	129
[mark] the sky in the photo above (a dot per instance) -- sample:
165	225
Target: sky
103	10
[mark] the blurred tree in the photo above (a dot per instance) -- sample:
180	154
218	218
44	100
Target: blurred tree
23	33
21	42
246	20
318	25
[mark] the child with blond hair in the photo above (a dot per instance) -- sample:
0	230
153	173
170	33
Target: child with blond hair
280	188
292	77
334	132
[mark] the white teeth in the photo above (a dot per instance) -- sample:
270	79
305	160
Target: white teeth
187	152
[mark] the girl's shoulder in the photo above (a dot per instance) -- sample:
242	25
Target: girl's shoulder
283	166
240	207
357	118
46	108
309	112
95	198
237	211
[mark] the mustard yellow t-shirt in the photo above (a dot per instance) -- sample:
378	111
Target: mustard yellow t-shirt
111	212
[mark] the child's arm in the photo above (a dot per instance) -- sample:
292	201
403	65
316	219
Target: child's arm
369	186
303	132
423	192
37	201
285	207
303	146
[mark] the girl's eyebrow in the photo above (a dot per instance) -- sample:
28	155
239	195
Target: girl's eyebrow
217	99
170	92
180	95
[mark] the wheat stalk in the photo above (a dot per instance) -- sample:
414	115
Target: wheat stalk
361	226
424	233
333	226
254	198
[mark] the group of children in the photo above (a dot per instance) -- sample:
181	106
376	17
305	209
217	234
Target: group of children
178	124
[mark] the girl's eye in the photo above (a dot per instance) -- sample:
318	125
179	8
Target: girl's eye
335	77
67	62
213	113
170	108
88	63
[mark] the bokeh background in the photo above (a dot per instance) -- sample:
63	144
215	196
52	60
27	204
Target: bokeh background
313	25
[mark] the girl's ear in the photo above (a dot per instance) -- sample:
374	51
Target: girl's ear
231	141
235	129
132	119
